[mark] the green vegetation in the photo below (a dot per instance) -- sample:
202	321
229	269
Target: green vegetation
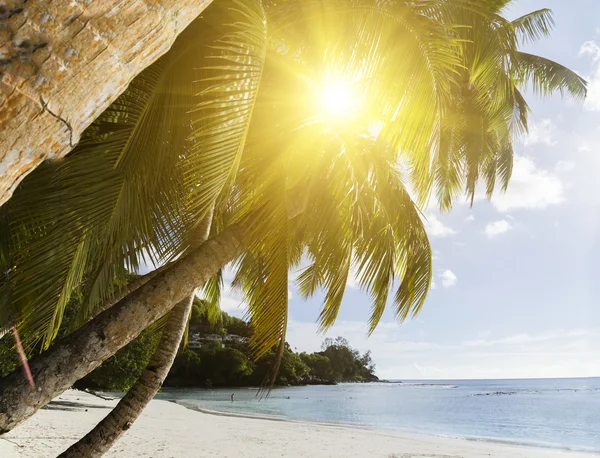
229	363
120	371
9	358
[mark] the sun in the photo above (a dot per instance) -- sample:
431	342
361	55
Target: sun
338	98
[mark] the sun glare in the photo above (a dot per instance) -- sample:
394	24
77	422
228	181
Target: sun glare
338	98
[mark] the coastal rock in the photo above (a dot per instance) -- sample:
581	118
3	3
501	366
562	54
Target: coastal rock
497	393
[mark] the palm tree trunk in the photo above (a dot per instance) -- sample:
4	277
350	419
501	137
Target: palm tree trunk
63	66
82	351
100	439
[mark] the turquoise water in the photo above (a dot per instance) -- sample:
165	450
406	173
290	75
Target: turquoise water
561	413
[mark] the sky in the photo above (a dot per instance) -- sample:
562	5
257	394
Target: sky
516	289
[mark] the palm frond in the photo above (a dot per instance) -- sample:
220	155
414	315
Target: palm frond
546	76
534	26
225	114
212	293
263	274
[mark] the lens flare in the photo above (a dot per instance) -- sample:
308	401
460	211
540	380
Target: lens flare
338	98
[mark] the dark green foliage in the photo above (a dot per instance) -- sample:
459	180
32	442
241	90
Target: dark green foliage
222	366
186	368
348	364
292	370
319	365
203	321
199	321
119	372
9	358
237	326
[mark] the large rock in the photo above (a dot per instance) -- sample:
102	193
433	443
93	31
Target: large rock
63	62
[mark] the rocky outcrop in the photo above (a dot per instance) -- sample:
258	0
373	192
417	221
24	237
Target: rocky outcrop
63	62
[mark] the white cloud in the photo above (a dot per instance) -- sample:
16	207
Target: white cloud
497	228
592	49
564	166
435	228
540	133
232	302
584	148
433	285
522	339
469	219
530	187
449	278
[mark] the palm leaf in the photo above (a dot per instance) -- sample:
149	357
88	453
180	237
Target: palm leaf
220	135
534	26
546	76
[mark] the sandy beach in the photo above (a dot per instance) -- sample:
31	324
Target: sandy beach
166	429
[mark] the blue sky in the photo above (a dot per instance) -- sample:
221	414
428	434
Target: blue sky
516	289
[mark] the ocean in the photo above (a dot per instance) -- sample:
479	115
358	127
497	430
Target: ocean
557	413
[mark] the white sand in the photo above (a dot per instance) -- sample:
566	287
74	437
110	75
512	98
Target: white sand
166	429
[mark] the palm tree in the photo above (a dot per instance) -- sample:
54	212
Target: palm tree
62	67
361	213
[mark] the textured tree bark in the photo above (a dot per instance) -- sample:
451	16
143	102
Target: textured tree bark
83	350
62	63
100	439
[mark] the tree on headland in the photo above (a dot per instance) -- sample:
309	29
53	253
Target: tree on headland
437	110
347	364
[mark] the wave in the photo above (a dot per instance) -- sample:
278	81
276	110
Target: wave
425	385
220	413
542	391
496	393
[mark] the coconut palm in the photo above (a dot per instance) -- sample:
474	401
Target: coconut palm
359	209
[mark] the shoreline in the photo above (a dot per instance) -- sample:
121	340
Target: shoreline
392	432
170	429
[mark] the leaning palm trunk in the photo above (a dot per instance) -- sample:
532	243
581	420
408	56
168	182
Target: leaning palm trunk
102	44
81	352
100	439
113	426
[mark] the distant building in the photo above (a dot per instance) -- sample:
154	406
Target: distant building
196	339
235	338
